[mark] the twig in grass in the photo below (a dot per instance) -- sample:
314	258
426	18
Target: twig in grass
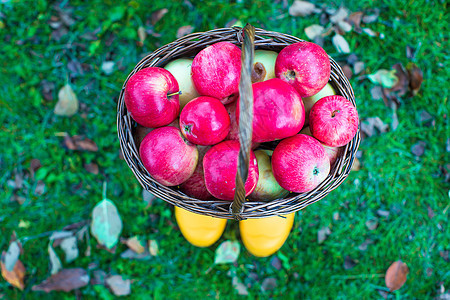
360	276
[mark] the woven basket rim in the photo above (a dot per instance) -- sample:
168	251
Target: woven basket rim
189	45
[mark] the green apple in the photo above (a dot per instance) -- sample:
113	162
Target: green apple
267	187
308	102
264	65
181	70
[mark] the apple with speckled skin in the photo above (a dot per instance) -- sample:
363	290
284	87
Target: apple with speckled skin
181	70
195	186
168	157
308	102
205	121
332	152
300	163
263	65
152	97
267	188
220	167
278	111
305	66
333	121
216	71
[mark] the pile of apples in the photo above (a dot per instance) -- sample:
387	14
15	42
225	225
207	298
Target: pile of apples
188	116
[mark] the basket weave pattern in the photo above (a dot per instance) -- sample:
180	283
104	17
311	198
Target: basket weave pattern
188	46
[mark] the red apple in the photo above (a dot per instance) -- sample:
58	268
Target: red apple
278	111
167	156
332	152
333	121
308	102
267	188
195	186
151	97
216	71
299	163
305	66
204	121
220	167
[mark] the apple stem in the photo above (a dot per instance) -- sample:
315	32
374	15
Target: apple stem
315	171
333	114
173	94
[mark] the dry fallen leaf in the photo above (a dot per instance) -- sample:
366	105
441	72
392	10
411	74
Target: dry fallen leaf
135	244
227	252
376	92
55	262
340	15
108	67
363	246
66	280
142	34
349	263
16	276
340	43
322	234
239	286
415	77
369	32
78	142
386	78
70	248
396	275
372	16
369	125
372	224
355	20
314	31
106	224
347	71
157	15
356	165
67	104
269	284
118	285
184	30
418	148
344	26
301	8
91	168
153	247
11	256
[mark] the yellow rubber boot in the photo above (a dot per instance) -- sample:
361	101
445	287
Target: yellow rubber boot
265	236
199	230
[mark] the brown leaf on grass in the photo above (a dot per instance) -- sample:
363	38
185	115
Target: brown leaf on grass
372	224
157	15
340	43
358	67
239	286
35	164
431	213
376	92
396	275
425	118
118	285
415	77
40	188
370	32
347	71
67	104
418	149
16	276
148	197
66	280
142	34
355	20
135	244
11	256
98	277
276	263
153	247
184	30
344	26
301	8
91	168
47	89
369	125
363	246
78	142
444	255
383	213
401	86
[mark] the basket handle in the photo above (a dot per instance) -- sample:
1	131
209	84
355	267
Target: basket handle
245	119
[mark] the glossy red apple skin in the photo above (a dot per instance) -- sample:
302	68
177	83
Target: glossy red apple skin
195	186
333	121
305	66
220	167
146	97
278	111
204	121
299	163
216	71
332	152
167	156
234	127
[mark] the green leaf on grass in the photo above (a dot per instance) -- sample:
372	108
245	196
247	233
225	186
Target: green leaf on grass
106	224
227	252
67	104
383	77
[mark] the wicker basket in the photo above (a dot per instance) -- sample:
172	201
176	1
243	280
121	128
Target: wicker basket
190	45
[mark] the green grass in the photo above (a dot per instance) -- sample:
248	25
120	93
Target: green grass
391	178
